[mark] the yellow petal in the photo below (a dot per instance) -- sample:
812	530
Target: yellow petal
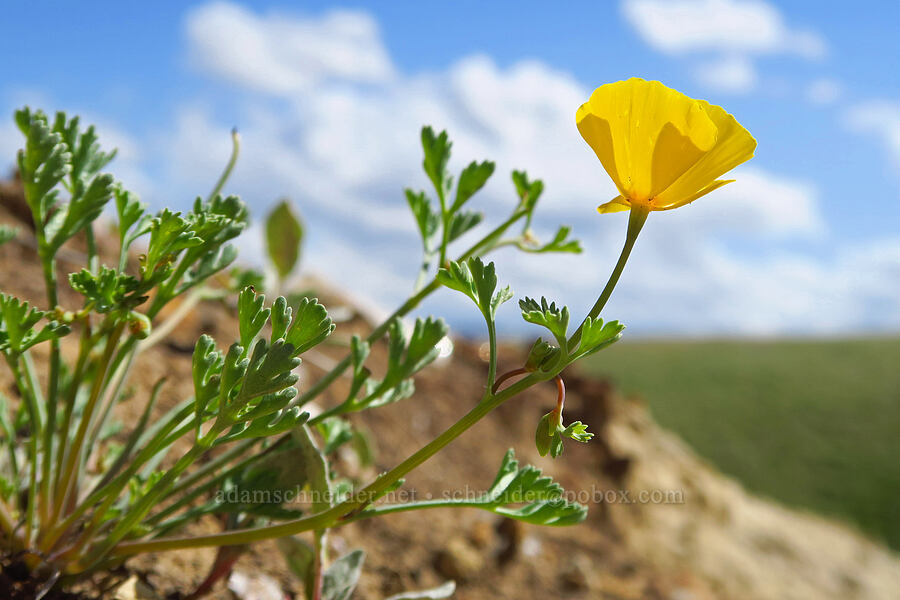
734	146
617	204
596	133
711	187
624	121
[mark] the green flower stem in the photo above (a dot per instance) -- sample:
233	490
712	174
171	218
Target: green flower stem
223	179
199	474
73	460
136	513
7	523
113	488
84	349
346	509
636	219
481	247
388	509
492	364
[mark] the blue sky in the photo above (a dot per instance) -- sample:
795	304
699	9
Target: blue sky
329	97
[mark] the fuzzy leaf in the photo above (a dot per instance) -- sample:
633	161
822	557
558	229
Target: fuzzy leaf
341	577
43	163
440	592
252	315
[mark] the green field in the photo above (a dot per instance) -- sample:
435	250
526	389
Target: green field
813	424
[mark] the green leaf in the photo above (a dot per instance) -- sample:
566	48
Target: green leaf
462	222
17	325
7	233
43	163
472	179
597	335
542	500
559	243
541	355
252	315
528	191
284	236
543	435
132	213
86	205
280	317
342	575
268	426
477	281
299	556
169	234
555	319
336	432
206	367
87	158
311	325
577	431
427	221
444	590
422	348
106	290
269	370
437	154
315	467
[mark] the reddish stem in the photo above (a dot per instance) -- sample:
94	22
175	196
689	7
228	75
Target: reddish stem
507	375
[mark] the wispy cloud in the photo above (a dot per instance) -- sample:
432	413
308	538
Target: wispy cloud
732	31
879	119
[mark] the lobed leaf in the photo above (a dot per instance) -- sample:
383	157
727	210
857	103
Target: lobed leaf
437	154
555	319
597	335
472	179
311	325
477	281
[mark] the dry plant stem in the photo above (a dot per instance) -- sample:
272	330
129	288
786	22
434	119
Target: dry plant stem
636	219
351	506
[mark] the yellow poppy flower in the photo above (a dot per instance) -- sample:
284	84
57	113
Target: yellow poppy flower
661	148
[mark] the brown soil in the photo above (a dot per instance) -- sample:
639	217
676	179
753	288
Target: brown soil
620	552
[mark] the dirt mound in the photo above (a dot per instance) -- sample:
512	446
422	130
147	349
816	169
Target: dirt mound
662	523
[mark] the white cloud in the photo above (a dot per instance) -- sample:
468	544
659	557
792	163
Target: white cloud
736	26
824	91
281	54
880	119
732	74
733	32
